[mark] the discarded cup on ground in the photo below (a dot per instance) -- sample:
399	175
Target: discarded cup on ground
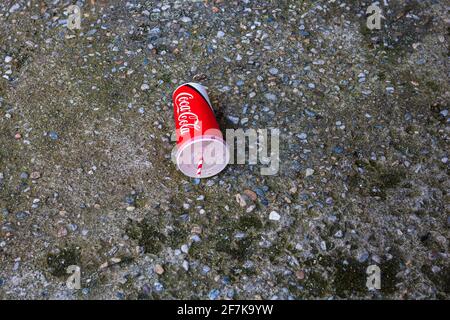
201	150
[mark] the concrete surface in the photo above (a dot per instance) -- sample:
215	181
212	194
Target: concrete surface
85	171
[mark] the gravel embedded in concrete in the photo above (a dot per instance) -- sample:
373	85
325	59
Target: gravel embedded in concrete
85	132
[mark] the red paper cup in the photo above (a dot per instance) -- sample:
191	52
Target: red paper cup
201	150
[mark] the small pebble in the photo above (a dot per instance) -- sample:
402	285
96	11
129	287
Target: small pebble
115	260
376	258
185	248
300	274
62	232
239	235
362	256
233	119
186	19
159	269
158	286
339	234
205	269
241	200
310	113
435	269
302	136
251	194
390	90
338	149
270	96
24	175
53	135
21	215
35	175
130	200
273	71
196	229
213	294
274	216
309	172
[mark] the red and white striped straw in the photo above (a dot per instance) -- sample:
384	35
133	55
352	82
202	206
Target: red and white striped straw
199	167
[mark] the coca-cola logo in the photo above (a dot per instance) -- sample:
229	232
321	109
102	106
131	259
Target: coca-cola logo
186	118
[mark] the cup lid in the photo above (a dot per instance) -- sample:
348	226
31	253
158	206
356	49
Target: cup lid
203	157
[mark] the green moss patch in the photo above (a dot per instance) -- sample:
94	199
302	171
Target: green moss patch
59	262
147	235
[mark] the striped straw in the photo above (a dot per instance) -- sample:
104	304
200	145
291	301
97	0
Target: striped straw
199	167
